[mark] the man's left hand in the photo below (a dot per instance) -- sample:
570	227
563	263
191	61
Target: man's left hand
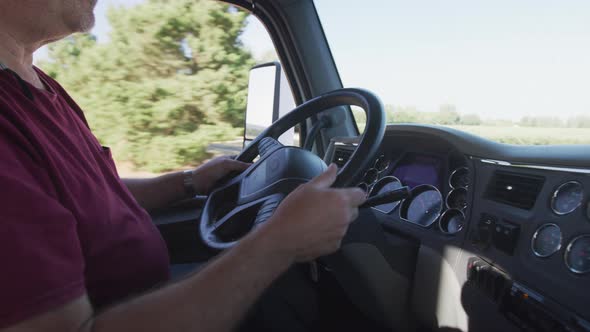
206	175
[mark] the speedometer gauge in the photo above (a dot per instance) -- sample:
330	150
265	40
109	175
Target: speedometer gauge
546	240
387	183
371	176
577	255
381	164
424	207
459	178
567	198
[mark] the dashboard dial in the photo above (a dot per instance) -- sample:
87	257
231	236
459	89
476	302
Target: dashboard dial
567	198
459	178
381	164
387	183
457	199
452	221
423	207
546	240
371	176
577	255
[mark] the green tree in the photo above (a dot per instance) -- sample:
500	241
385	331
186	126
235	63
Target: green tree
447	115
402	114
171	79
541	121
579	121
470	120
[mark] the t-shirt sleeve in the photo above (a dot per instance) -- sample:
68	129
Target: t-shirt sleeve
42	265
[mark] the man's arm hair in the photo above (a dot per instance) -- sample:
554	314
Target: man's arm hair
160	191
215	299
152	193
309	223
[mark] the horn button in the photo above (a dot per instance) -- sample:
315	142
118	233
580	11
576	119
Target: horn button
281	171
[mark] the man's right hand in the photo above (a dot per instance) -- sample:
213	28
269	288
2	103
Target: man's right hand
313	219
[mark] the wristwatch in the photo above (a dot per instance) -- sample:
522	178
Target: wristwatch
188	183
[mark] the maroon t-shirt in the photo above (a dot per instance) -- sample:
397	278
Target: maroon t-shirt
68	225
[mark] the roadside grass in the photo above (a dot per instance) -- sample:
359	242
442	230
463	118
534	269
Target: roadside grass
525	135
509	135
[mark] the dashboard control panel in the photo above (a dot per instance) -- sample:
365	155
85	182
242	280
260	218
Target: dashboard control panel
439	188
527	309
528	221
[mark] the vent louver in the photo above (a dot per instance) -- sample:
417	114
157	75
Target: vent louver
341	156
515	189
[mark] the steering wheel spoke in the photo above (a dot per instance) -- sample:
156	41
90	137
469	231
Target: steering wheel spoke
267	146
268	208
241	219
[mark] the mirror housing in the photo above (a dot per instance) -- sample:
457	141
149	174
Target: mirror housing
269	98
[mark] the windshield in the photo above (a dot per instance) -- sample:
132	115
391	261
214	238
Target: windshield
506	70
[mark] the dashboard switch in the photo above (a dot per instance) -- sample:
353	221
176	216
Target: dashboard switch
505	236
488	279
482	237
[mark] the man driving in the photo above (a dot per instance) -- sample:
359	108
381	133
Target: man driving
79	250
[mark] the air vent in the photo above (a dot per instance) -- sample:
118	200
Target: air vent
518	190
341	156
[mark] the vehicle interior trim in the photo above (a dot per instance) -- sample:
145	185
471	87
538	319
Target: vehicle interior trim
541	167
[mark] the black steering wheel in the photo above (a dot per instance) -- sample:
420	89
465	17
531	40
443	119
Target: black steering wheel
249	199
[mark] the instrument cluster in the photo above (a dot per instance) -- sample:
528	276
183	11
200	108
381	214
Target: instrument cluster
426	207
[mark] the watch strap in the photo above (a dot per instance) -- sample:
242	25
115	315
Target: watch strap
188	183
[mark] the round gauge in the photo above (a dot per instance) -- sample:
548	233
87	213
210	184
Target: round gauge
452	221
364	187
381	164
371	176
546	240
424	207
577	255
387	183
457	199
567	198
459	178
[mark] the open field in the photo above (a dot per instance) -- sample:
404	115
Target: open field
511	135
530	135
526	135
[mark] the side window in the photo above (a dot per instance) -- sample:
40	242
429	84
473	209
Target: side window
164	84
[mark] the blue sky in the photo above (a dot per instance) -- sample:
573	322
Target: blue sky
496	58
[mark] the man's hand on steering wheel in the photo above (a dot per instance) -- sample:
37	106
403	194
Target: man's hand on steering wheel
313	219
207	175
316	214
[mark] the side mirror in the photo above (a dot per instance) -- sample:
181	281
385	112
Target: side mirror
269	98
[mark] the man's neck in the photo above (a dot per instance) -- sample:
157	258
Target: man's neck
18	56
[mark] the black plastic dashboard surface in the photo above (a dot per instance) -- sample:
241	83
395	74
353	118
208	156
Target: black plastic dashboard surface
421	154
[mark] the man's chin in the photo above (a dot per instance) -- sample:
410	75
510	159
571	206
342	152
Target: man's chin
86	24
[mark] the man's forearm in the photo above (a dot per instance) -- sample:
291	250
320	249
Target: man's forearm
215	299
157	192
